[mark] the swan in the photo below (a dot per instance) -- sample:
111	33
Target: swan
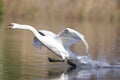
59	43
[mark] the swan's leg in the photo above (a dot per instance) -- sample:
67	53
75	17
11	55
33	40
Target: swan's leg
68	61
55	60
71	64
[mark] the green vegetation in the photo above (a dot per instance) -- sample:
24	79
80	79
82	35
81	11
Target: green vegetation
1	10
1	7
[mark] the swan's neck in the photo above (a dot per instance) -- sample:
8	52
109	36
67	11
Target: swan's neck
32	29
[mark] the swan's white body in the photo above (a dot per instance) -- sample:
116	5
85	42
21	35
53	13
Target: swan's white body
59	43
65	39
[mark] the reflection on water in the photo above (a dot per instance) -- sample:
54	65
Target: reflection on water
20	60
88	74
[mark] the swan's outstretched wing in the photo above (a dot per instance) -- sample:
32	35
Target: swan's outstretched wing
69	37
37	43
45	33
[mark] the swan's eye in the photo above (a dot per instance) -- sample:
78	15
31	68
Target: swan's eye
10	25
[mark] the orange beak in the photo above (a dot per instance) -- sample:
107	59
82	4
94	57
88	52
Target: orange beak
10	26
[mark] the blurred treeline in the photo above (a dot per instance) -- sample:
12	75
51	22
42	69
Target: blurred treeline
1	9
62	9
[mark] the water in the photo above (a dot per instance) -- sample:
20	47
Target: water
19	60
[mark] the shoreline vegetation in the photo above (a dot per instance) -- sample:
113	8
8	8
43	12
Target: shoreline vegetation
1	9
62	9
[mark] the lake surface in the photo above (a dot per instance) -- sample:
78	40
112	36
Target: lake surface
19	60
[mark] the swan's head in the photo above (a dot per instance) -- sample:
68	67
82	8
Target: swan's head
18	26
14	26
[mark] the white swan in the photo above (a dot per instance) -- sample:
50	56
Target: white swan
58	43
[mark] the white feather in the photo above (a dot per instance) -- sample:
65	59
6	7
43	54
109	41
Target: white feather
46	33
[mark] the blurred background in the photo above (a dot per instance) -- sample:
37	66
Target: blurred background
97	20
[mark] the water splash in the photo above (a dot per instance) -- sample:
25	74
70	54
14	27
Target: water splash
86	61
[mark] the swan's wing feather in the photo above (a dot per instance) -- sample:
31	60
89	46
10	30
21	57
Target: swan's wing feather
37	43
70	36
45	33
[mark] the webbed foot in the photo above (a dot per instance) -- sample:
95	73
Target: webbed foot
73	65
55	60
